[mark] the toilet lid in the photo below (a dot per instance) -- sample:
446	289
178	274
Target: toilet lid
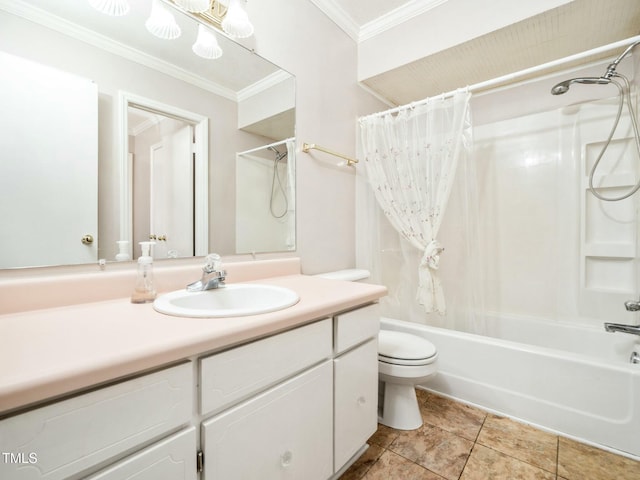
400	347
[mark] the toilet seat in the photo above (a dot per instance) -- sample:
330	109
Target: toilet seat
399	348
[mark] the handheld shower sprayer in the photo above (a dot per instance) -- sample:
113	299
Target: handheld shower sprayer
563	87
275	177
609	77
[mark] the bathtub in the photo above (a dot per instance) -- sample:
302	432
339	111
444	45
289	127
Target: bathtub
577	382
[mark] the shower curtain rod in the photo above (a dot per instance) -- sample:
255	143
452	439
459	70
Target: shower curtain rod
510	77
280	142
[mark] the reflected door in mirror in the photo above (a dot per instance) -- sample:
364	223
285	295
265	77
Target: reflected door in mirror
48	165
171	196
163	182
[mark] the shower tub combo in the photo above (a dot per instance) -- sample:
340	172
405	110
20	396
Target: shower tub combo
582	385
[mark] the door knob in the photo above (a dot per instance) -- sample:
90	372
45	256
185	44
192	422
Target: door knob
87	239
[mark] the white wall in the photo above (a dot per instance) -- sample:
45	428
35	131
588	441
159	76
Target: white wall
301	39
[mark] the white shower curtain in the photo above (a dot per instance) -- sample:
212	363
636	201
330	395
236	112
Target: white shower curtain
410	160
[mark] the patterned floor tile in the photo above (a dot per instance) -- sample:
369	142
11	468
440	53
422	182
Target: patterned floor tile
520	441
384	436
437	450
452	416
577	461
487	464
363	464
391	466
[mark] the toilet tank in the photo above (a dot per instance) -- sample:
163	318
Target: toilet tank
349	275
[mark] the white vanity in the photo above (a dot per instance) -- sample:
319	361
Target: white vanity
296	402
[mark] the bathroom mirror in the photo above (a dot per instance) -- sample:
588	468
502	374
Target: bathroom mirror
248	104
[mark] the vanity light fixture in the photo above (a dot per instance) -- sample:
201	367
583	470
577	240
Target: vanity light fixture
206	45
229	16
194	6
236	22
115	8
162	23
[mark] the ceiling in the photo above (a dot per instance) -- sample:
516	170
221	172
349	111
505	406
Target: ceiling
572	28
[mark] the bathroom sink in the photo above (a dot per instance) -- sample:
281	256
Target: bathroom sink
233	300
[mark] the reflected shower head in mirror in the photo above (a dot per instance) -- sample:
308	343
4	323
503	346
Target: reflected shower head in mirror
563	87
275	178
279	155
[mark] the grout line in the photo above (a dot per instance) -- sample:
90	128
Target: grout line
557	457
473	447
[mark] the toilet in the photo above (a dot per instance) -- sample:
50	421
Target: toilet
404	361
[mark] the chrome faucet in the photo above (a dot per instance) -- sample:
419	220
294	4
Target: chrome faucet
632	305
619	327
212	275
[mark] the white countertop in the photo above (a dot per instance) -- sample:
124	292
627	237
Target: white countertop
54	351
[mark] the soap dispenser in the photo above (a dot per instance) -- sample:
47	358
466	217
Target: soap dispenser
144	291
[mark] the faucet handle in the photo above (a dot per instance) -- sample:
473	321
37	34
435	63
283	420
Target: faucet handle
212	263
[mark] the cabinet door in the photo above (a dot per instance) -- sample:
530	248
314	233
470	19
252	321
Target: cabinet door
283	433
173	458
67	437
356	400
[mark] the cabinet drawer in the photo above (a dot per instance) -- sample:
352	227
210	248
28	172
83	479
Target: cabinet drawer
356	326
229	377
283	433
72	435
173	458
356	400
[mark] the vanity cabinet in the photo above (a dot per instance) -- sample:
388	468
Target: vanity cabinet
298	404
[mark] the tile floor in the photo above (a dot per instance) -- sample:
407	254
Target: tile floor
459	442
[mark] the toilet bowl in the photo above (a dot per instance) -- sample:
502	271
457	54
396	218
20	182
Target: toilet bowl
404	360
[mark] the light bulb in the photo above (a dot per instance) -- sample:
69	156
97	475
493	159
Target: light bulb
206	45
236	22
162	23
115	8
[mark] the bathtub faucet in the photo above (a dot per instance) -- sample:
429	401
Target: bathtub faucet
632	305
619	327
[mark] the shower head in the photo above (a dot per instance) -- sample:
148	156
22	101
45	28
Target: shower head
279	155
563	87
273	149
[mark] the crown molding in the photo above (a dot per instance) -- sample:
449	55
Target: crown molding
338	16
370	29
396	17
110	45
263	84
